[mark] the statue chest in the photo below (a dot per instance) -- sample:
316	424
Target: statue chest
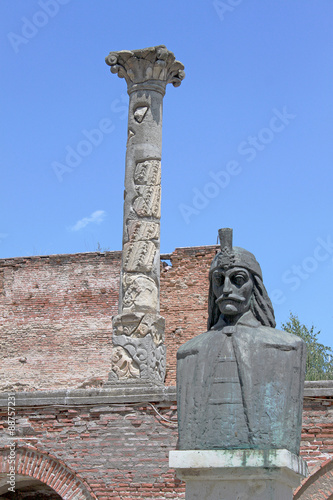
225	408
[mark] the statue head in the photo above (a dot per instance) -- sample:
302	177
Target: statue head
236	286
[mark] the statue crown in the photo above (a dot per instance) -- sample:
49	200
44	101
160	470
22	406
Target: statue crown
230	256
226	257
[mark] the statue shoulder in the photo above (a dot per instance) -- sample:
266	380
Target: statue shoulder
195	345
274	336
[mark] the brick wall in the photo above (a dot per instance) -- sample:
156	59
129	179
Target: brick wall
55	331
184	300
55	315
118	451
317	434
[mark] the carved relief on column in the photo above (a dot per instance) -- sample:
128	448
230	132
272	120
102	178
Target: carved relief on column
138	330
123	365
139	256
148	173
147	182
140	251
139	350
143	230
141	293
148	202
140	113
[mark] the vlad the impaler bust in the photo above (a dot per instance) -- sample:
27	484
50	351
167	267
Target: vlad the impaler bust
240	384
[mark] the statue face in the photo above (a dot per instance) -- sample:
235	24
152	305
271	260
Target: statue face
233	290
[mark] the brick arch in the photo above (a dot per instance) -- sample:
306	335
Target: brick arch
49	470
319	485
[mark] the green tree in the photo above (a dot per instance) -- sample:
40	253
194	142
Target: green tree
319	362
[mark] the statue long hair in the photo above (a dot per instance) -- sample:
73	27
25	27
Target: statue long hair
261	305
229	257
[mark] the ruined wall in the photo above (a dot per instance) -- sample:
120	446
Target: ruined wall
317	433
56	320
184	300
55	315
119	451
55	331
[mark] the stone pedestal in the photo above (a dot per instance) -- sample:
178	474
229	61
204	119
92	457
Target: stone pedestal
138	354
238	474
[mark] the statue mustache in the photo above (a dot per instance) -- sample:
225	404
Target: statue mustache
236	298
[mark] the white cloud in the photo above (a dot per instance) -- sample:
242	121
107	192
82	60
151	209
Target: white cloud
96	217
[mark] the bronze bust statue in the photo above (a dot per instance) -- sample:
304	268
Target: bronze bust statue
240	384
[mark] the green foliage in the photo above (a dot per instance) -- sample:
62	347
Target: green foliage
319	362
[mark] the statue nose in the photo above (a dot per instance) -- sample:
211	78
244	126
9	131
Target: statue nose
227	286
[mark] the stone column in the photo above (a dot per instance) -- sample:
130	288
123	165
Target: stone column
138	330
238	474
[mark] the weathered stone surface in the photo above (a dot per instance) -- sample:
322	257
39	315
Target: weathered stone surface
152	63
143	230
60	320
148	173
148	201
240	384
147	72
138	256
61	305
142	351
238	474
123	365
242	461
68	315
140	113
104	395
141	294
138	325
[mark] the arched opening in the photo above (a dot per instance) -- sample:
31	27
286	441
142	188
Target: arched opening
40	476
319	485
26	488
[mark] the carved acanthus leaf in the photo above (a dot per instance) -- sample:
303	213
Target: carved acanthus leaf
123	365
148	202
139	256
143	230
152	63
148	173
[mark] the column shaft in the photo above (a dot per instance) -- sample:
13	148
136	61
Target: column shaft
142	206
138	330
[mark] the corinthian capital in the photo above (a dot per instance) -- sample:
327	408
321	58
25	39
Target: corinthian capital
153	64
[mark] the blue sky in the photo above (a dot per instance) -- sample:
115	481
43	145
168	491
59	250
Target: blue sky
247	137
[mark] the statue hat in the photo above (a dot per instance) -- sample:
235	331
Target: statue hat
230	256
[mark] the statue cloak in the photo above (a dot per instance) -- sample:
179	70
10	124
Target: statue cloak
256	403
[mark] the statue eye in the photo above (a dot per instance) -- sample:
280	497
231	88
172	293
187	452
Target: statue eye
218	279
239	279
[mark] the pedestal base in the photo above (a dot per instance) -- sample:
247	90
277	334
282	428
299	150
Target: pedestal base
238	474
